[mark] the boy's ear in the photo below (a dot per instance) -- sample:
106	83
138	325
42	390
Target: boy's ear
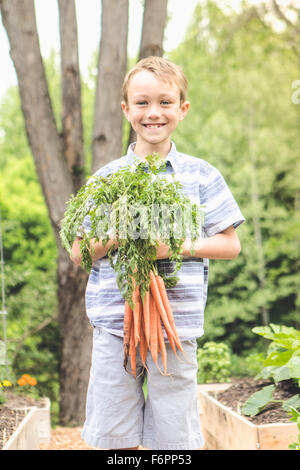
125	108
184	109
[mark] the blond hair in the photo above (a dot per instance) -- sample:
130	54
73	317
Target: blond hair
163	69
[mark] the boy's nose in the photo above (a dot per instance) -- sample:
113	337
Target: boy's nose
153	112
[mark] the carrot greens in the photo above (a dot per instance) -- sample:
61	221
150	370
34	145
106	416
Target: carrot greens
137	206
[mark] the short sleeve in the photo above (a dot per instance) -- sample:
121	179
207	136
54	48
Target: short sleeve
85	227
221	209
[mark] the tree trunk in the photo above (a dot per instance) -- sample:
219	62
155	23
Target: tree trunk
108	119
154	22
75	330
57	185
76	341
71	93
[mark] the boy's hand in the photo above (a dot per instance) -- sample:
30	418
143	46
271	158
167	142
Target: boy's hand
75	255
162	251
98	249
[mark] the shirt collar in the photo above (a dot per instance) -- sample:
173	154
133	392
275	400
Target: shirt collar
171	158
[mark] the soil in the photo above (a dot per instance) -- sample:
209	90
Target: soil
241	389
11	414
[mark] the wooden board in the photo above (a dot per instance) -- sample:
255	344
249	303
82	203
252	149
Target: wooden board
277	436
225	429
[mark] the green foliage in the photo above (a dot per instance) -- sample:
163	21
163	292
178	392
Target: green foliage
30	277
13	141
214	363
247	366
283	357
121	205
258	401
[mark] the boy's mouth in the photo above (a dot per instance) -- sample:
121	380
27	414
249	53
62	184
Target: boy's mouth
154	126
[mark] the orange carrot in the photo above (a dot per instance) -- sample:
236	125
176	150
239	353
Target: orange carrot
127	331
143	348
132	352
153	330
168	309
137	314
146	316
143	325
159	304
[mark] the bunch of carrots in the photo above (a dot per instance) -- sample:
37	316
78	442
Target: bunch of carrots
147	313
143	325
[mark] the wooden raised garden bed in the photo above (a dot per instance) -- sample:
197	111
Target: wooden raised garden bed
31	428
226	429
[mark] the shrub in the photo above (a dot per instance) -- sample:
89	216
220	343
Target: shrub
247	366
214	363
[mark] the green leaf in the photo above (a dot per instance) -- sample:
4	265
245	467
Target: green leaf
294	367
258	401
295	415
278	358
292	403
264	331
281	373
287	337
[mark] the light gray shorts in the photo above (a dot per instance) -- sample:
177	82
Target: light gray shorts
117	414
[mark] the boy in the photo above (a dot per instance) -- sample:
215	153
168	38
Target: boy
117	416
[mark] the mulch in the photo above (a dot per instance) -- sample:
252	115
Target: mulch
64	438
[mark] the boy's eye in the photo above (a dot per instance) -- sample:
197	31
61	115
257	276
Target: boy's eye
143	103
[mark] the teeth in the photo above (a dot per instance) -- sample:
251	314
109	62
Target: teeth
154	126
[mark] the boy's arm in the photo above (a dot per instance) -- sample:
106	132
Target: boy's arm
224	245
99	249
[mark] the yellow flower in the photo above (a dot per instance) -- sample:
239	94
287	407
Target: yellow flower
7	383
0	384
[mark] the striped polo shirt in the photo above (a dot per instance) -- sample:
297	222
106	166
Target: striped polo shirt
204	185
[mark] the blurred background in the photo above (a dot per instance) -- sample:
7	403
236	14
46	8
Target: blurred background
241	59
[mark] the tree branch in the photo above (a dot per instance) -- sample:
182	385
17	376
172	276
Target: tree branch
284	18
239	23
30	332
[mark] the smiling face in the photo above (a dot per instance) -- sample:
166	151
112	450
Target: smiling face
154	111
